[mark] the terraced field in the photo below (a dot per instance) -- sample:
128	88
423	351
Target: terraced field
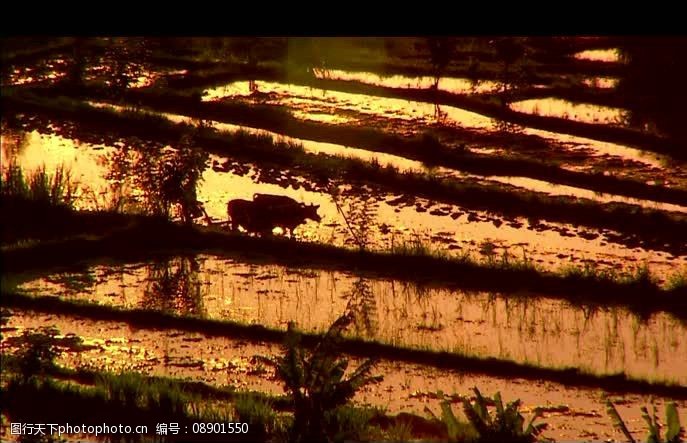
509	214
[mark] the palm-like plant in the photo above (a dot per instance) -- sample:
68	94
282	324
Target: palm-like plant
316	380
505	425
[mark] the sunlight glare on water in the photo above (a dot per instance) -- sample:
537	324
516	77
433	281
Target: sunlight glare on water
601	82
306	100
316	100
599	55
581	112
448	84
87	164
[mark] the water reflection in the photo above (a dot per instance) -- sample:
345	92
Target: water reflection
174	285
582	112
448	84
404	164
447	227
406	387
554	189
117	63
165	178
135	177
599	55
14	143
537	330
76	281
412	117
362	306
322	101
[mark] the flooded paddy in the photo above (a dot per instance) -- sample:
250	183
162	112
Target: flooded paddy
574	412
321	101
52	71
540	330
448	84
581	112
412	118
407	165
394	219
151	285
554	189
599	55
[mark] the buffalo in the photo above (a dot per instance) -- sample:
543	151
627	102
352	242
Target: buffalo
266	212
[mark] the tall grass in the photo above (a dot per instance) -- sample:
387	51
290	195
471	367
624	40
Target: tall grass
417	247
39	186
639	276
133	390
359	214
259	414
506	261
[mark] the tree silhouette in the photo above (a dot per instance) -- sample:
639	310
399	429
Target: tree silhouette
441	52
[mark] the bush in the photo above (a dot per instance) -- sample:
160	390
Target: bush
315	380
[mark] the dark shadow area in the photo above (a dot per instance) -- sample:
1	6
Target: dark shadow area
653	85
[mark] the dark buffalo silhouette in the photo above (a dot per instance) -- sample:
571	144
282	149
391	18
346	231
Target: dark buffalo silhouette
267	212
243	213
275	200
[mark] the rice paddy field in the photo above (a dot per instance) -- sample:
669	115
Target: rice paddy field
466	216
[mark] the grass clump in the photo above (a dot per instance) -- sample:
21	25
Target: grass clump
38	187
506	261
417	247
638	277
259	414
346	423
505	424
165	401
29	200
